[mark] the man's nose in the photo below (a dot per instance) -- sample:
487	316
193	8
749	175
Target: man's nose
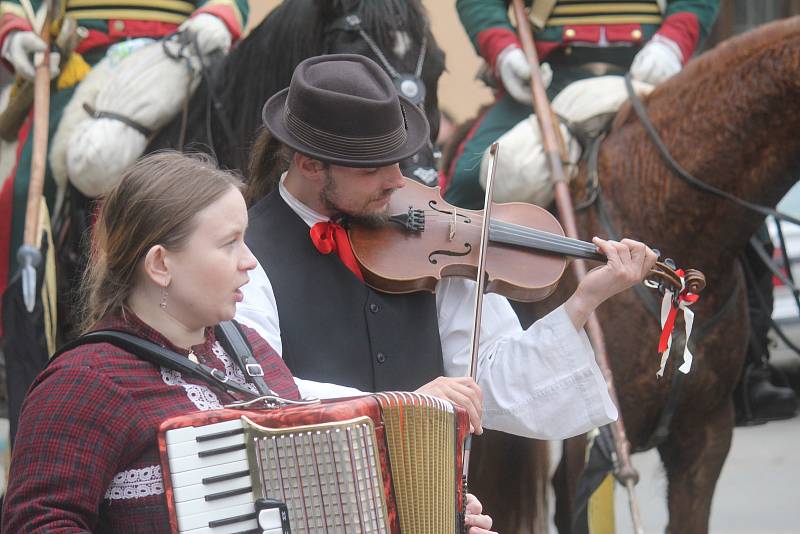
393	177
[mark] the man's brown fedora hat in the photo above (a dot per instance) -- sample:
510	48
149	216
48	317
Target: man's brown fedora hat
344	109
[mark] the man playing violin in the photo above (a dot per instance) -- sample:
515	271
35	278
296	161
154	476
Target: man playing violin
343	128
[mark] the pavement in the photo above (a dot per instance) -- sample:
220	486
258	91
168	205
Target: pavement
759	489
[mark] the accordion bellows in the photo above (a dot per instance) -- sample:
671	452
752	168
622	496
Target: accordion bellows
389	462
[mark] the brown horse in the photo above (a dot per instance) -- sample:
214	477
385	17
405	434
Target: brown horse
731	118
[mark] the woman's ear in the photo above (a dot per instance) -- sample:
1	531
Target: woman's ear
156	267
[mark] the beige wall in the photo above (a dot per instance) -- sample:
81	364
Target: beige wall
459	92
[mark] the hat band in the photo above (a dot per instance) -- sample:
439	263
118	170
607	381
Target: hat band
342	146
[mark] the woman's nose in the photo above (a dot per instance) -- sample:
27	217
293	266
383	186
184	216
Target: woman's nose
248	261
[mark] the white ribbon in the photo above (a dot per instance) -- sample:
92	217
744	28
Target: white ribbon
688	320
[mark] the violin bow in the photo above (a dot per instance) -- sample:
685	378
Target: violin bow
550	135
481	280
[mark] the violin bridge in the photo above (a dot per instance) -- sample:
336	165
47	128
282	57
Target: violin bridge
453	221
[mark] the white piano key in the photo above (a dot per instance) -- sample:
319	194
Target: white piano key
198	513
189	463
196	476
201	526
193	507
193	448
236	528
190	433
200	491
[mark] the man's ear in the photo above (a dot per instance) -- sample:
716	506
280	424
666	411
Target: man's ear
156	267
310	168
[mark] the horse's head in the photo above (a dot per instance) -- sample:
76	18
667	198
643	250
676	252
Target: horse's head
396	35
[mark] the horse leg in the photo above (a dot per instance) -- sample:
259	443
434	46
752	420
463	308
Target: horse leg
693	458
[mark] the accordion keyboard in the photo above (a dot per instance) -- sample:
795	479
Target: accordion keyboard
211	484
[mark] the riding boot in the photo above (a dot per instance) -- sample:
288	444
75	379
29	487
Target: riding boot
759	400
760	396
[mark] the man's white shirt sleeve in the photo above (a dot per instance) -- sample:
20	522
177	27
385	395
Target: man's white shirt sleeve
542	382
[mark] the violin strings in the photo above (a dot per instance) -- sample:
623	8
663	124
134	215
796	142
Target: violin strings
555	241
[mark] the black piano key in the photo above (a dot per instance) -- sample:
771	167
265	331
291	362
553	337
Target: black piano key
222	450
234	519
218	435
228	476
227	493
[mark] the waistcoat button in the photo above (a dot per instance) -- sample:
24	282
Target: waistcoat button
374	308
381	357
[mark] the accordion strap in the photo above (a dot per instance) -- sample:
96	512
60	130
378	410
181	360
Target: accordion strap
158	355
235	343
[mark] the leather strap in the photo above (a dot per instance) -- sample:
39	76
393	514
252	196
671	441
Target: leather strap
158	355
235	343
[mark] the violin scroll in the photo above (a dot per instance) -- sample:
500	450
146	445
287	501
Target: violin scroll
664	276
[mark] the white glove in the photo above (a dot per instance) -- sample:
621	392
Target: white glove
212	34
661	58
19	49
515	73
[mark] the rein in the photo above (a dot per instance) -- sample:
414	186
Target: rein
676	168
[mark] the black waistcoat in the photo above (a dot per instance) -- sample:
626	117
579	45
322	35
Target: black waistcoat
333	327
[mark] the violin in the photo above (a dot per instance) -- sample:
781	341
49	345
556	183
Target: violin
425	239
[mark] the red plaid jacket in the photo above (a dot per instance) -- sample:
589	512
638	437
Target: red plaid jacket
85	457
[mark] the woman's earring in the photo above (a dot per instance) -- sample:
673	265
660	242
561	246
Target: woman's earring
164	298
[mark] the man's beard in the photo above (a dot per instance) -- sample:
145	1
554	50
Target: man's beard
328	193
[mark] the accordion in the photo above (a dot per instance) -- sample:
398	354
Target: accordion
382	463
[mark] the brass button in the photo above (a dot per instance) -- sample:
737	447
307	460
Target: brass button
636	34
568	51
381	357
119	25
569	33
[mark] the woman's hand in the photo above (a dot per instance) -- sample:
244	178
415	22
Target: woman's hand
477	522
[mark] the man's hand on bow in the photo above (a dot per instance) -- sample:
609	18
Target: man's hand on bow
477	522
462	391
659	59
515	73
628	262
211	33
19	49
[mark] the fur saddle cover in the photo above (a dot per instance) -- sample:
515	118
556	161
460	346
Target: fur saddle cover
143	80
522	169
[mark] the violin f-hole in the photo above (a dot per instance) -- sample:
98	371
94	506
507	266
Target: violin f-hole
451	253
432	204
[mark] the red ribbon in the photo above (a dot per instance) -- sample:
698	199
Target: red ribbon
332	237
669	324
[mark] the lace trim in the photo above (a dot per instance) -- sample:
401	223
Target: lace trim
233	371
202	396
136	483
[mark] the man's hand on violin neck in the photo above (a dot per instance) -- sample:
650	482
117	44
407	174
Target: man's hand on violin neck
628	263
460	390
